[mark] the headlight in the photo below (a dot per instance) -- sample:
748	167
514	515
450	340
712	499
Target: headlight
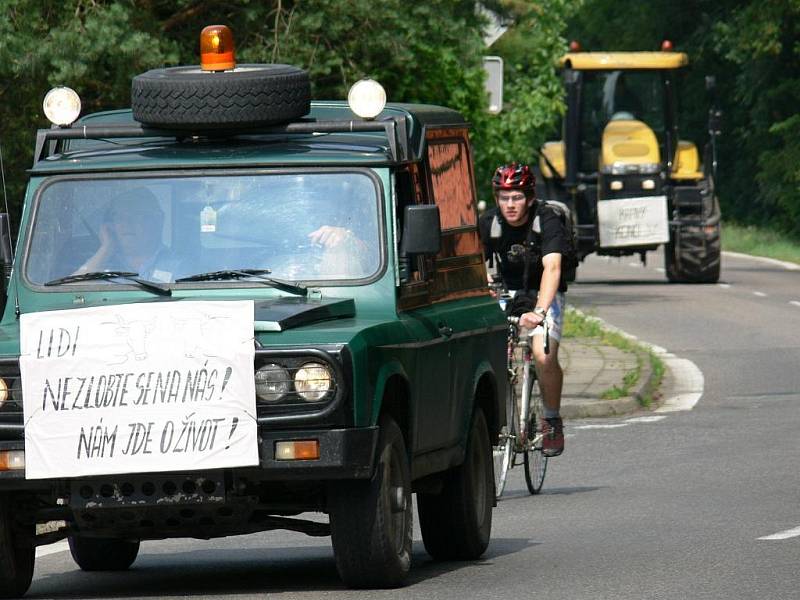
619	168
272	382
312	381
3	392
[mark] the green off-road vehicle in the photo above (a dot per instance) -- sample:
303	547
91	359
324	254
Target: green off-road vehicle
230	306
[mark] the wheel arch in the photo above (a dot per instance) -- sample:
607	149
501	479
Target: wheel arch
392	397
486	396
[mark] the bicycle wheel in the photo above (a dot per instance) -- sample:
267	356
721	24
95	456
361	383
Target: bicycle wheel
535	460
504	451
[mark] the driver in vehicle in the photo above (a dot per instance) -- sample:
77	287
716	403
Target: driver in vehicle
130	239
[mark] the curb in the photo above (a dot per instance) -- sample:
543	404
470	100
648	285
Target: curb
644	387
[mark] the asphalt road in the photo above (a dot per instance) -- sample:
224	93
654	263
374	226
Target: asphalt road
668	505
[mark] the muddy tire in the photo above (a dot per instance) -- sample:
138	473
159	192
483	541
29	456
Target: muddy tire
103	554
457	523
372	521
17	554
695	258
251	95
693	254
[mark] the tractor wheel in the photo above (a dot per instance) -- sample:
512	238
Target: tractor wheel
693	255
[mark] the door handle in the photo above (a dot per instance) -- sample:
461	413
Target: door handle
444	330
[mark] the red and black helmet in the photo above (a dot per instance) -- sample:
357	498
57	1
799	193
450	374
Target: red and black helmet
514	177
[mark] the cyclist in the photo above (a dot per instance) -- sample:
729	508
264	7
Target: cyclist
527	239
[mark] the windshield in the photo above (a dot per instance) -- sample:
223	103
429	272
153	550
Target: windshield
611	95
297	227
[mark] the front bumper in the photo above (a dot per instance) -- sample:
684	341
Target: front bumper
344	454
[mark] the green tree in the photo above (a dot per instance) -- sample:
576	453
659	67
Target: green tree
421	52
533	93
92	47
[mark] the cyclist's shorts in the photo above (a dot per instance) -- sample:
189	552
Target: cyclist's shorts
555	318
555	315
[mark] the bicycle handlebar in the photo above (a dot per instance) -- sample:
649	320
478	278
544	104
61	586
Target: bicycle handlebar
545	327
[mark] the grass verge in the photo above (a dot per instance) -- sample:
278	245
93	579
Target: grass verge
760	241
577	324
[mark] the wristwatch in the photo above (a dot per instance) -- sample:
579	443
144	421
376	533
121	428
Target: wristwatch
542	312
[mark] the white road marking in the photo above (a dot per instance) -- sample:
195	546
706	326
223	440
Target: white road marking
780	263
688	379
688	384
724	286
653	419
794	302
760	294
782	535
61	546
625	423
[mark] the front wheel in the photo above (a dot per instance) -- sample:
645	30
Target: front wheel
504	451
503	455
535	460
17	554
456	524
372	521
693	254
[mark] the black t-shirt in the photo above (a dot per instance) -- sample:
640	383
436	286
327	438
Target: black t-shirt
549	241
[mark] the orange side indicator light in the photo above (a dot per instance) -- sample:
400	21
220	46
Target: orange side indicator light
297	450
12	460
217	52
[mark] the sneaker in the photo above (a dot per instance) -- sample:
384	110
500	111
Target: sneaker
553	432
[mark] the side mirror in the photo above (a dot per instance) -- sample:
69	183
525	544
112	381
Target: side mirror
421	230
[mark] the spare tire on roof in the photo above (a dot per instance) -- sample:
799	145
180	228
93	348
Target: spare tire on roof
190	98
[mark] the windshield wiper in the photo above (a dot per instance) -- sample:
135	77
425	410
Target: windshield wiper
227	274
150	286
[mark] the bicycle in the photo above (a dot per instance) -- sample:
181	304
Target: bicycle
522	433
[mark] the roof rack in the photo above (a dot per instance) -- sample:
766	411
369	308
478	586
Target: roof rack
394	127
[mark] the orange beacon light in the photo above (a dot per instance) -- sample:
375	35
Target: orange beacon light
217	49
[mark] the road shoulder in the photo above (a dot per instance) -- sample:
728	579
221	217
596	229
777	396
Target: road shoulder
595	369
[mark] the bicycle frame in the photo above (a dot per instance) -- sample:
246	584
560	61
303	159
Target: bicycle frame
528	374
515	435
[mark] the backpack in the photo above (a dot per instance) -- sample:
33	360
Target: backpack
569	258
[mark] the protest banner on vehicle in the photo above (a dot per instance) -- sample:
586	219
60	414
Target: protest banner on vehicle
162	386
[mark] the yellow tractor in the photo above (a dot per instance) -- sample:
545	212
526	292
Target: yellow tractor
631	184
